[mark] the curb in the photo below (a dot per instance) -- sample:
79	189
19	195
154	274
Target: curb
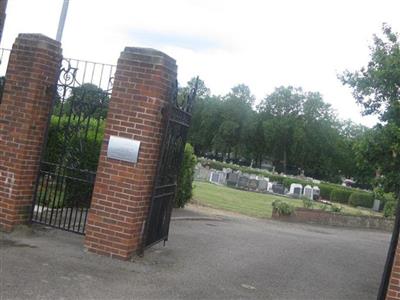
196	219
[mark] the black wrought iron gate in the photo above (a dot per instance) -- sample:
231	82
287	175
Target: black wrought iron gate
177	117
71	151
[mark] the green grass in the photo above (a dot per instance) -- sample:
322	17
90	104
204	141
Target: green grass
250	203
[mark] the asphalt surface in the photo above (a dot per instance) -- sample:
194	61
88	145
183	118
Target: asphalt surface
206	258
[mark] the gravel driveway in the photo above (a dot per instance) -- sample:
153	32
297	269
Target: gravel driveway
207	257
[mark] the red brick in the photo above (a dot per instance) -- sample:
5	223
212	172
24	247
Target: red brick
33	67
140	92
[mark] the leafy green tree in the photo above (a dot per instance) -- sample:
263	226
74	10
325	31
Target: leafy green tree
206	120
243	94
281	110
87	100
376	89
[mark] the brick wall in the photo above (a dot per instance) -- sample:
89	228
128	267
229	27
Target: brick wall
3	6
26	103
393	292
317	216
122	192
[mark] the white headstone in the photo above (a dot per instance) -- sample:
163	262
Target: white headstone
377	204
269	187
308	192
316	192
262	185
214	177
295	189
222	177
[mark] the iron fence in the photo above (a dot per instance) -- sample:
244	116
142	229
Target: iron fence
71	152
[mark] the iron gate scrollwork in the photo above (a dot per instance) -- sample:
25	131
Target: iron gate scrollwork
72	148
177	117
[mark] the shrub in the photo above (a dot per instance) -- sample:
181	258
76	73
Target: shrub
325	191
340	195
324	207
282	208
75	145
308	203
336	208
389	209
185	178
362	199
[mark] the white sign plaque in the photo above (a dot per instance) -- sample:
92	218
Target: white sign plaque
123	149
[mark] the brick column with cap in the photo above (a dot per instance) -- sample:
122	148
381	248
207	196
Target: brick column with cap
143	84
25	106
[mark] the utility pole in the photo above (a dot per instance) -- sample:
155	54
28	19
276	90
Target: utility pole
61	22
3	6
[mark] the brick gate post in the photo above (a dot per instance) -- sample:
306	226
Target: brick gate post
122	192
24	110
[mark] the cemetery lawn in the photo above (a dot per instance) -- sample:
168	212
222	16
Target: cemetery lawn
250	203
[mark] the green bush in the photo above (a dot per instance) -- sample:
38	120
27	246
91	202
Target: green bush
185	178
325	191
73	146
362	199
389	209
340	195
282	208
308	203
336	208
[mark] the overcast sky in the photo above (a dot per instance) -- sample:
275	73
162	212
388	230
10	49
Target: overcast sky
263	44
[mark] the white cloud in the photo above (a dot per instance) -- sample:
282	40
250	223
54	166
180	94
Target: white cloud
261	43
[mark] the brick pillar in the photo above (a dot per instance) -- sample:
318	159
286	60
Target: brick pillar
26	103
3	6
393	292
122	192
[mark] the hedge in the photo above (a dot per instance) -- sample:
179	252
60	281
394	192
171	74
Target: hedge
76	145
389	209
326	190
362	199
185	178
340	195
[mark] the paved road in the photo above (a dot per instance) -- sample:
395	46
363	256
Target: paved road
228	258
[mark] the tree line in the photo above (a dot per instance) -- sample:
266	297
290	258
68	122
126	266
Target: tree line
293	129
299	132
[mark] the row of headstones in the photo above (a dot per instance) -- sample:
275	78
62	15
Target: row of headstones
254	183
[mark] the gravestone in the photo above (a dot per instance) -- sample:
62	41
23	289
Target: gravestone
316	192
278	188
269	187
222	177
214	177
232	179
308	192
196	174
243	182
262	185
203	174
253	184
377	204
295	190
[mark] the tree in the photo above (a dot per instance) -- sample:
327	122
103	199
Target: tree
202	90
206	119
376	89
281	110
87	100
242	93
